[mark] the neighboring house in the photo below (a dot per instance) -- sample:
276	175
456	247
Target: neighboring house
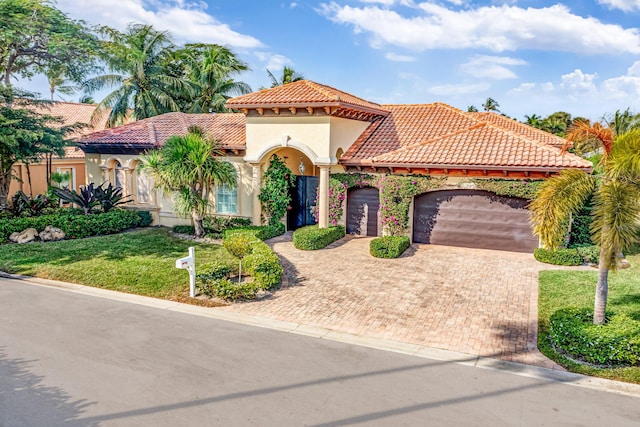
73	160
319	130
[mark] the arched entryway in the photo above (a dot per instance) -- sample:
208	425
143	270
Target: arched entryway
473	218
362	211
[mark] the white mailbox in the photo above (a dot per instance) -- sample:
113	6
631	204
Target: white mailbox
189	263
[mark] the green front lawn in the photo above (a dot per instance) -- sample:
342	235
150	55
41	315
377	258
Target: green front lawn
560	289
139	262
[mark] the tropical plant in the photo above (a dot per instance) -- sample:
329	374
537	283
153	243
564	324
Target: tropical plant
109	197
57	178
210	69
491	105
22	204
616	202
189	166
472	109
138	59
274	195
86	199
289	75
239	246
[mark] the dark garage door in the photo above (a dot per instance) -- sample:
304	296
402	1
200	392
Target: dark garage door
362	211
474	219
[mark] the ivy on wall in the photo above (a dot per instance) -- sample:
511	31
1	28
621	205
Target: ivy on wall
524	188
274	195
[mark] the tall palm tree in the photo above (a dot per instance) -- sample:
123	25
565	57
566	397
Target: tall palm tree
189	166
289	75
143	88
210	69
533	120
616	191
491	105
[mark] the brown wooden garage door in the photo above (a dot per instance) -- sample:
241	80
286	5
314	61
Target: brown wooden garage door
362	211
474	219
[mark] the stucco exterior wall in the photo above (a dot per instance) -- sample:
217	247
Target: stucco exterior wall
39	176
344	133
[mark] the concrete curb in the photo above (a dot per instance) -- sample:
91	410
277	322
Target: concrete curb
530	371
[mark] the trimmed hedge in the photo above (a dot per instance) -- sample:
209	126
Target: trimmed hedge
558	256
261	263
590	254
77	226
389	246
614	343
311	238
262	232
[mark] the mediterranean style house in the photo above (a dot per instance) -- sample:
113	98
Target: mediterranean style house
319	130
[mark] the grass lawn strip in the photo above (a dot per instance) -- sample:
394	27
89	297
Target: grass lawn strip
561	289
140	262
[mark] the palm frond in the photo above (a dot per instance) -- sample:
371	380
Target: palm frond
582	130
557	199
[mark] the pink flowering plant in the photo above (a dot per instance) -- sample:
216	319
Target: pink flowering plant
337	196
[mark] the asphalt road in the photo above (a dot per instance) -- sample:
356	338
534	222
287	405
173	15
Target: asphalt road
74	360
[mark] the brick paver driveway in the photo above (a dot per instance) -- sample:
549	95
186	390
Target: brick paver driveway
474	301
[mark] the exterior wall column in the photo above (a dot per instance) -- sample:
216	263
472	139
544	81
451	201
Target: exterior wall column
323	202
128	182
105	173
256	182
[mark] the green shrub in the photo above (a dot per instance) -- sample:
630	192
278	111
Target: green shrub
184	229
264	266
261	263
262	232
589	253
581	230
217	224
77	226
311	238
614	343
558	256
389	246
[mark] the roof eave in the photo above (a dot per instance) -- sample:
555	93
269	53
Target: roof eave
373	164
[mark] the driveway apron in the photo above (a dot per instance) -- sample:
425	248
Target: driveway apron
473	301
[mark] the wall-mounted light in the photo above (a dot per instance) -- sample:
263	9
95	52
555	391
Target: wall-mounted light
301	167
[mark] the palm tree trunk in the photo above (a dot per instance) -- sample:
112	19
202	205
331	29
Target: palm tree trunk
197	224
602	289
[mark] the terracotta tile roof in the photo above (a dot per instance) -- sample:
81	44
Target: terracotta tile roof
73	152
227	128
483	145
520	128
302	93
407	125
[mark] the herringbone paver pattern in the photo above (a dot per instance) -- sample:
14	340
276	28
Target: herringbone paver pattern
467	300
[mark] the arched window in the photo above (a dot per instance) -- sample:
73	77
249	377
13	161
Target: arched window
119	176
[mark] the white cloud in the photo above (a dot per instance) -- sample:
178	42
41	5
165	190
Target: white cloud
458	89
497	28
579	93
383	2
273	62
626	5
399	58
187	21
491	67
293	5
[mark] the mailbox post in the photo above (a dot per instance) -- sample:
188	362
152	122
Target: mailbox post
189	263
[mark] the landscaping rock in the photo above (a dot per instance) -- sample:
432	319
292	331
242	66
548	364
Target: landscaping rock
24	236
51	233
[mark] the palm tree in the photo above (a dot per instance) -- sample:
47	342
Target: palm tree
472	109
210	69
491	105
138	60
616	191
189	166
533	120
289	75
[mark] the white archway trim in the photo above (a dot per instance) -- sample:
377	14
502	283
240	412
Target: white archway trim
300	146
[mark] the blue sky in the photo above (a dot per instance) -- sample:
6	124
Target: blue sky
531	56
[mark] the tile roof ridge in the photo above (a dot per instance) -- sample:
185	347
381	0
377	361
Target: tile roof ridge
323	89
153	137
428	141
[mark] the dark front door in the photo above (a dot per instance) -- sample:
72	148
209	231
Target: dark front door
303	200
473	219
362	211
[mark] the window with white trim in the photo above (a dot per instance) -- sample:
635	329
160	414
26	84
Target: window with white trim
227	200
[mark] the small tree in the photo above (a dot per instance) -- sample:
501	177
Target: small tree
239	246
189	166
274	196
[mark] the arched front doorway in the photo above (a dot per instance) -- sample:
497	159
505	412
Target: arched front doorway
362	211
473	218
